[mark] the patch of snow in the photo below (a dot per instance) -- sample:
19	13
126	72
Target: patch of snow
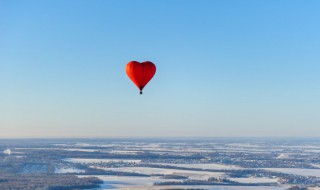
255	180
313	150
205	166
80	149
124	151
130	182
67	170
83	144
66	149
88	161
297	171
7	151
316	165
283	156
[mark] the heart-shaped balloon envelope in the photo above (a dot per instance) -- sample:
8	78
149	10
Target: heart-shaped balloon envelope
140	73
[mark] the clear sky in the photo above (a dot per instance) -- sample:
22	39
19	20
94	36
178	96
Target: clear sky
224	68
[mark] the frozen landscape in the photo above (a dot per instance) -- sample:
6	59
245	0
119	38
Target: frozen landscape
218	164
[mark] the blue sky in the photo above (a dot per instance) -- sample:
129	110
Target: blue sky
224	68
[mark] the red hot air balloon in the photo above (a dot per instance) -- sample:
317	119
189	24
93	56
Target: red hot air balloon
140	73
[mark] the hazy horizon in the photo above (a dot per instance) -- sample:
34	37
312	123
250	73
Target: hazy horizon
224	68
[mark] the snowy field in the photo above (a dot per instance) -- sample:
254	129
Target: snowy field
297	171
278	152
255	180
118	162
196	175
66	149
67	170
146	183
114	182
204	166
88	161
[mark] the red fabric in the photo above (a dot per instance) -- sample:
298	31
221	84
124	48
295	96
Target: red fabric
140	73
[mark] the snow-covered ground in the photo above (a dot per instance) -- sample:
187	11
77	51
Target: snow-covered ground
7	151
279	152
255	180
146	183
80	149
205	166
283	156
207	187
124	151
115	182
197	175
313	150
67	170
66	149
297	171
88	161
316	165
